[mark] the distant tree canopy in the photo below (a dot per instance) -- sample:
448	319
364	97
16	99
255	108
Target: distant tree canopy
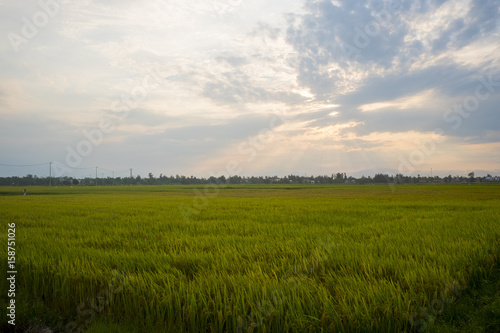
334	178
380	178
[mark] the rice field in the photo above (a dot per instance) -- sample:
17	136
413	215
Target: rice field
309	258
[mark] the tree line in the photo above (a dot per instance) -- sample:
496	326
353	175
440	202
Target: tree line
338	178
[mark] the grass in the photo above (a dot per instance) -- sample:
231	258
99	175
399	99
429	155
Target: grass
254	258
478	310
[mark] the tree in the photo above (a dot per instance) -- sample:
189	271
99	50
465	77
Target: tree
380	178
339	178
471	175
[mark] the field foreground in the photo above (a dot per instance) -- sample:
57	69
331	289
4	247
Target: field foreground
251	258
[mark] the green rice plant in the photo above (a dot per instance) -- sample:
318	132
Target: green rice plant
254	259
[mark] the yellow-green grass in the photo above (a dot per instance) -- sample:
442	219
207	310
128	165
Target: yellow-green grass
261	258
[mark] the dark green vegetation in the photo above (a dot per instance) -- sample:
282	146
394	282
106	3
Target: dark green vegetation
256	258
339	178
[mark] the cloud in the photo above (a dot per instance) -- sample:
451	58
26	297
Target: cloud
236	129
335	45
264	29
356	82
419	100
331	37
2	97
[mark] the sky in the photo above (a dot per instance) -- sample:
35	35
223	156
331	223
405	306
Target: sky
232	87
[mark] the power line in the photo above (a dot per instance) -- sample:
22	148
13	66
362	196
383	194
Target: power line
65	168
50	163
117	171
33	165
24	165
82	168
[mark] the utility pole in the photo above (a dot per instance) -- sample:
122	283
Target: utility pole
50	173
95	176
113	178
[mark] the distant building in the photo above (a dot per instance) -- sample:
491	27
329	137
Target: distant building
275	179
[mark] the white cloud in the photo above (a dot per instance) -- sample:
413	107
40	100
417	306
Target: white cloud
220	61
426	27
421	100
